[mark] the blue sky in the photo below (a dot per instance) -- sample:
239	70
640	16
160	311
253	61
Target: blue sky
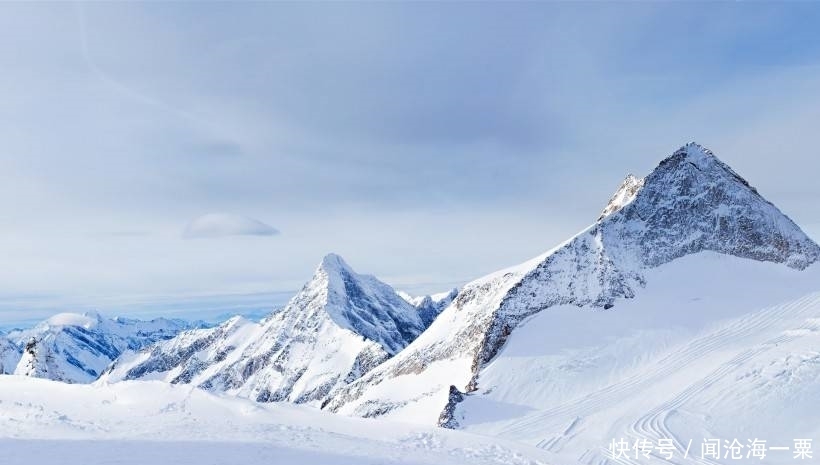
427	143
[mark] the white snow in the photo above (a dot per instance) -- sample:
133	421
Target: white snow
135	423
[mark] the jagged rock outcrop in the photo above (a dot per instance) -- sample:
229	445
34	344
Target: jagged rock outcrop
448	419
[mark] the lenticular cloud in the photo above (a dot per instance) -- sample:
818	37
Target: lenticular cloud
213	225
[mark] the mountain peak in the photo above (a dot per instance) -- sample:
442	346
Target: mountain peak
694	202
334	275
694	158
332	262
691	157
356	302
339	326
701	158
695	151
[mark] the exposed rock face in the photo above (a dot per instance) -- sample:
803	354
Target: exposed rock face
447	418
692	202
337	328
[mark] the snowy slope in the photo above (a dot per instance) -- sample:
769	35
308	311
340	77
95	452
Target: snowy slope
691	203
700	353
338	327
136	423
75	348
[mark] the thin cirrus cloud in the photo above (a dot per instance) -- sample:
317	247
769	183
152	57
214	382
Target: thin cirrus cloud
215	225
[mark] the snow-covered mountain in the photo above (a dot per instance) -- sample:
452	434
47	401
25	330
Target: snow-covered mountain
337	328
692	203
76	348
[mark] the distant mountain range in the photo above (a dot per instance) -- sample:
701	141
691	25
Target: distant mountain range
76	348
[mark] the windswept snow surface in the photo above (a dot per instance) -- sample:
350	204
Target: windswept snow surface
150	422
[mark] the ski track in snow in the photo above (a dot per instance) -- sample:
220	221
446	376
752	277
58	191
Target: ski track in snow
607	396
652	425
